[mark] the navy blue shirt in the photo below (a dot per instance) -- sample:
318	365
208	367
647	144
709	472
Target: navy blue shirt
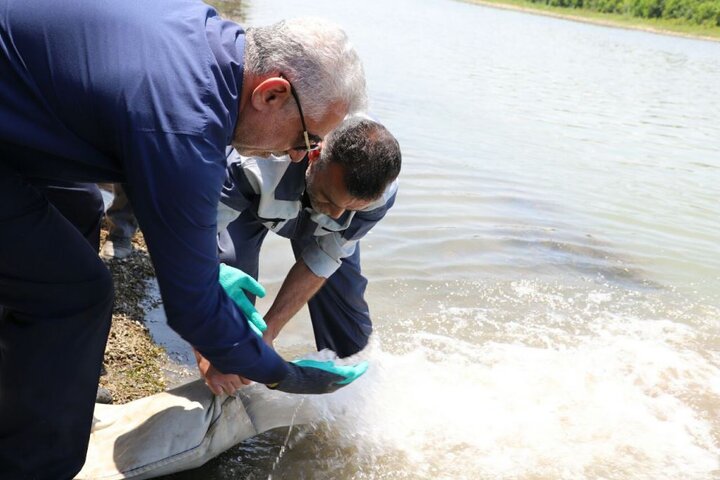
146	93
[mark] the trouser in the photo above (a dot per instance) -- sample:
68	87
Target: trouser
338	311
120	216
56	298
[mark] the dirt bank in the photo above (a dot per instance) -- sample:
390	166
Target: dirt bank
133	363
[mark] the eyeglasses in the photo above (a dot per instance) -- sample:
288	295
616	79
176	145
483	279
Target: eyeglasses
308	147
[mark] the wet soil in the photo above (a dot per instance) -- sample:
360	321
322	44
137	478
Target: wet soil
133	363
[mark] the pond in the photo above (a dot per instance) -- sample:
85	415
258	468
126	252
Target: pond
546	290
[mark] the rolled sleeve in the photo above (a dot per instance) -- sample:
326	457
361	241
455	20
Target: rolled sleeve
325	256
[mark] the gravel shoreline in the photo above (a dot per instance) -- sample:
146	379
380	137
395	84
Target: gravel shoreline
133	363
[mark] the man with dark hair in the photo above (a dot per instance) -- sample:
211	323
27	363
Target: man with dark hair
148	94
324	204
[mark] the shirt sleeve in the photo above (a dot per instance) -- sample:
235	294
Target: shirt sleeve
174	182
238	193
324	256
238	190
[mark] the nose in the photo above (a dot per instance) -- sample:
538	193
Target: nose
296	156
335	212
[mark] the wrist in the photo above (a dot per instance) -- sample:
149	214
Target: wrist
273	329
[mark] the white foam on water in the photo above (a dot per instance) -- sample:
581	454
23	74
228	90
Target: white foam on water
626	397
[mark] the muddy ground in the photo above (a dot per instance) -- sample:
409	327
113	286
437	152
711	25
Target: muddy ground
133	364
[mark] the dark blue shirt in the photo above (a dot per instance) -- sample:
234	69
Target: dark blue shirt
146	93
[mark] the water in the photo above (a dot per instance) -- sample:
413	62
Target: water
546	291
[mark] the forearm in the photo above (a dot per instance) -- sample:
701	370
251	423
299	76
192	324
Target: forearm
299	286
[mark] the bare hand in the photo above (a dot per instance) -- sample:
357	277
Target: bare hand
216	381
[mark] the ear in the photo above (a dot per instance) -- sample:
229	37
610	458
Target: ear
313	156
270	94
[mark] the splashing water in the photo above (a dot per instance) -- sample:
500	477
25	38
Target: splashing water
286	443
587	384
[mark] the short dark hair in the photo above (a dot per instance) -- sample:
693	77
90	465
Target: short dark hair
369	154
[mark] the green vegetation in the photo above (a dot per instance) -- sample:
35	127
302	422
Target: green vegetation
698	12
686	17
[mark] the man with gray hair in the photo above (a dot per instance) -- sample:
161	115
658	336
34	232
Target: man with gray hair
148	94
324	205
322	66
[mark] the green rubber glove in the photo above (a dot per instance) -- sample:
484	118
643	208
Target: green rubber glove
235	282
350	373
316	377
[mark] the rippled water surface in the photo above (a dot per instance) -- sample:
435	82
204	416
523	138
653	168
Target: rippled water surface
546	291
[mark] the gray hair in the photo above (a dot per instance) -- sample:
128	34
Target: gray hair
369	154
316	56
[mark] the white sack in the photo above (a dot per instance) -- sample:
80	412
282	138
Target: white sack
182	429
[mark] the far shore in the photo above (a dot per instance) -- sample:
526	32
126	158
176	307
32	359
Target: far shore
664	27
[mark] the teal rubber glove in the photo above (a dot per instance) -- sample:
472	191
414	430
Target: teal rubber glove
316	377
350	373
235	282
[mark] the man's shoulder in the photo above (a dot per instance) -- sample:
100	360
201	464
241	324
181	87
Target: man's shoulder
384	201
170	78
265	174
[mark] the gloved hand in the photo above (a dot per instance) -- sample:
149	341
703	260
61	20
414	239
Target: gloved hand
236	282
315	377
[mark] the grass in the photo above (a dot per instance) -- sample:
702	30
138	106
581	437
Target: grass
657	25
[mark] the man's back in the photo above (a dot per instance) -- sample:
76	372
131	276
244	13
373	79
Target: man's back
79	79
146	93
